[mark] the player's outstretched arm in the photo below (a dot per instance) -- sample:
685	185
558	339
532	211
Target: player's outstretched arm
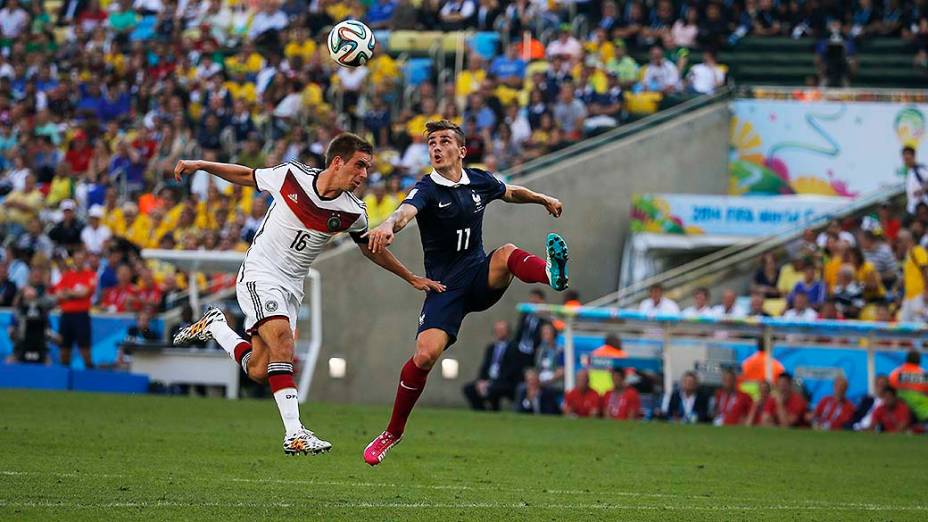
518	194
238	174
388	261
382	236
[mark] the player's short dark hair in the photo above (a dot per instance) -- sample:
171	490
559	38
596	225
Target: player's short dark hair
614	341
913	357
345	145
440	125
908	149
787	376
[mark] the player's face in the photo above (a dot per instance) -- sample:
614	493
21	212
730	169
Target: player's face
444	150
354	171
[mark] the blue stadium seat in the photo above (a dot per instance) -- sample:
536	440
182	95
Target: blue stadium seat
486	44
145	30
417	70
382	38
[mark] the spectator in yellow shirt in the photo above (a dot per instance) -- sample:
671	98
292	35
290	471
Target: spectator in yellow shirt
138	227
915	266
379	204
23	206
247	61
416	125
113	216
470	79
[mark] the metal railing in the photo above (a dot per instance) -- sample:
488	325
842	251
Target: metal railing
738	253
854	335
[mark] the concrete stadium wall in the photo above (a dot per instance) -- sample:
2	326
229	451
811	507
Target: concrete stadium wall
370	316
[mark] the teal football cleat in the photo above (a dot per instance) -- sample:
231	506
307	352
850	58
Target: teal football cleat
556	262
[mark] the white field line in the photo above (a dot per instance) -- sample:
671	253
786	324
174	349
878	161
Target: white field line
810	504
443	505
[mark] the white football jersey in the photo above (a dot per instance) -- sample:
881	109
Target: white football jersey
297	226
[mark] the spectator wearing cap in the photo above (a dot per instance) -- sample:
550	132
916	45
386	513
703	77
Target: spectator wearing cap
95	234
622	402
916	180
656	303
892	416
74	292
565	46
785	407
534	398
731	406
688	403
582	401
660	75
834	412
914	265
67	232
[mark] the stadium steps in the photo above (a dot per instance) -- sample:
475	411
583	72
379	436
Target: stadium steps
884	62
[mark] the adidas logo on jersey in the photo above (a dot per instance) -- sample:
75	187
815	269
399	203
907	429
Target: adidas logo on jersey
292	197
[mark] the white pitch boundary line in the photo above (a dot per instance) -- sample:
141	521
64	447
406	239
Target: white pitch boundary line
630	494
805	504
441	505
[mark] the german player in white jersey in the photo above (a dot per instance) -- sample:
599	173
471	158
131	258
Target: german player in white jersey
310	207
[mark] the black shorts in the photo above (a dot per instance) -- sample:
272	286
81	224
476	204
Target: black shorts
470	292
74	328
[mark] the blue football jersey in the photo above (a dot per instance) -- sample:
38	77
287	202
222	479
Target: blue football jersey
450	220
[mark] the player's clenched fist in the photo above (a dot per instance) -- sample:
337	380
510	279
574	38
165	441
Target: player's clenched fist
184	167
380	238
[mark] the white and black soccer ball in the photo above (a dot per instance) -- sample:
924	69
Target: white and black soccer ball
351	43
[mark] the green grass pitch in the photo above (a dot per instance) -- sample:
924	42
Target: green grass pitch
71	456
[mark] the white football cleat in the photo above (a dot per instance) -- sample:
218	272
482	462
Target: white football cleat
305	442
199	331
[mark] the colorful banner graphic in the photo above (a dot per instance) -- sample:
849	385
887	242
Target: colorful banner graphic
830	148
745	216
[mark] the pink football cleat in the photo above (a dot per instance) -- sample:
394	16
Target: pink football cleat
378	448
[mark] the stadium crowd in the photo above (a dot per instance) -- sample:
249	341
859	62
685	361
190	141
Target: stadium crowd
527	369
99	99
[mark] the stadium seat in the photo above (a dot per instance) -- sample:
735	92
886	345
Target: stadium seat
485	44
145	30
383	39
417	70
413	42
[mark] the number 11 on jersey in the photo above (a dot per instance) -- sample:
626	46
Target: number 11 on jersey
463	238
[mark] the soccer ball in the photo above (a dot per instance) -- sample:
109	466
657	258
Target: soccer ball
351	43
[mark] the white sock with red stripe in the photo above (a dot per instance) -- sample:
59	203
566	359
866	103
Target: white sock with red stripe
238	349
280	377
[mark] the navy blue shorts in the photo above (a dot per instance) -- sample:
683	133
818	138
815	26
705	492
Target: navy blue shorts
74	328
469	293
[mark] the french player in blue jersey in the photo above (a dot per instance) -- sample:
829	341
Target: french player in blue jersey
449	205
